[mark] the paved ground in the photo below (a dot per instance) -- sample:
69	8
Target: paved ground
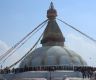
53	79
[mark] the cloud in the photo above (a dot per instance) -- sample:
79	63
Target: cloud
3	47
83	46
14	57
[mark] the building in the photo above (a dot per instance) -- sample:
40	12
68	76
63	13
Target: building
52	53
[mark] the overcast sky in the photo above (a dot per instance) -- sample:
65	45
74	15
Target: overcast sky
19	17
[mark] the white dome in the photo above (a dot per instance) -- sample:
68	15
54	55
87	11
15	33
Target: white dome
52	55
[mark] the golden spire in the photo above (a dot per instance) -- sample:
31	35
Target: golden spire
51	5
52	33
51	12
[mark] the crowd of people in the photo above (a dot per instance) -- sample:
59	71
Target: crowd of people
87	72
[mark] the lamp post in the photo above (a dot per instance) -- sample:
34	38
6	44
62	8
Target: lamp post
50	74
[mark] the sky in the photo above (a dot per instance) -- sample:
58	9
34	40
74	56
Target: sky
19	17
